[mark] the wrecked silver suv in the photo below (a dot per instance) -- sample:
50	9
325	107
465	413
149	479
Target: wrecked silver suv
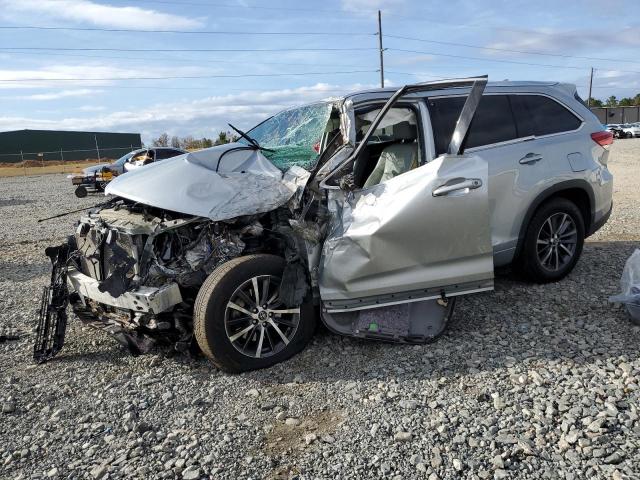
330	207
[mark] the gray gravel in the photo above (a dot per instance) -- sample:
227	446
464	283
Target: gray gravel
530	381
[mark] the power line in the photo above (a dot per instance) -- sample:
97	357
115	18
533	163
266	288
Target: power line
191	60
184	77
418	17
191	32
88	49
292	90
238	6
467	45
505	61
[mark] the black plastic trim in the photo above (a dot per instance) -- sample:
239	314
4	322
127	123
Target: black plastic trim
595	226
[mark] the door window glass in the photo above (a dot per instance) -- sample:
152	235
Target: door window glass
493	121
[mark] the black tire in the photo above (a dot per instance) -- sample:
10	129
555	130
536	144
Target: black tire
560	264
211	310
81	192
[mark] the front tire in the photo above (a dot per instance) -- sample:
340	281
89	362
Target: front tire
553	242
81	192
239	321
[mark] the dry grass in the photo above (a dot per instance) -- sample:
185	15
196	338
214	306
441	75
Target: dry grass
35	167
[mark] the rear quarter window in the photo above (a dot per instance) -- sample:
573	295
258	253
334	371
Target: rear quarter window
546	115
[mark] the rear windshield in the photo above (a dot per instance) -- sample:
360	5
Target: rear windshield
294	135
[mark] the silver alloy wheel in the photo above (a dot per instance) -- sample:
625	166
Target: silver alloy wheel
556	242
256	322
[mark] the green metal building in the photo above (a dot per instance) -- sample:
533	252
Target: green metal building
21	145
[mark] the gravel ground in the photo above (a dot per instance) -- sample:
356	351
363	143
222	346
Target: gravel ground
531	381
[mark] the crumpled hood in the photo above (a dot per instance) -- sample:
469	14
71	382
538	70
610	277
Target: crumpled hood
246	183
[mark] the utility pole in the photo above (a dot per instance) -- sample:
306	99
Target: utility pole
95	137
381	49
590	88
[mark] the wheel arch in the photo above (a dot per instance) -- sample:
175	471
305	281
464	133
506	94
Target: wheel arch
579	192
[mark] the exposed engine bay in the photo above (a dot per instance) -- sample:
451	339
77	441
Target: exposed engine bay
149	264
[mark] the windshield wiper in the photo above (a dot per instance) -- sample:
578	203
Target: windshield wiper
252	141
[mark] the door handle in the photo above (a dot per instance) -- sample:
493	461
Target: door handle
530	158
466	184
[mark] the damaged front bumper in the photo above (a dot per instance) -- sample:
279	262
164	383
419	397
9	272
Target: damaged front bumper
144	299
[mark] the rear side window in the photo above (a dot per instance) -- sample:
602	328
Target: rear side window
547	116
166	153
492	123
444	114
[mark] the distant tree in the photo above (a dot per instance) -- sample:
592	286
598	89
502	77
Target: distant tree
162	140
175	142
188	143
612	101
206	142
223	137
636	99
625	102
595	102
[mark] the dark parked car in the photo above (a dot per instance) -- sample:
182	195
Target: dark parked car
146	156
96	177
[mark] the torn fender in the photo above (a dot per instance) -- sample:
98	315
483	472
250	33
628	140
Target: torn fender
219	183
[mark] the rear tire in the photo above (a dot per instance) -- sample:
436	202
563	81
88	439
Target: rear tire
553	241
237	342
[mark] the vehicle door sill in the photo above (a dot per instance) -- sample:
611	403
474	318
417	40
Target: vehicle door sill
337	306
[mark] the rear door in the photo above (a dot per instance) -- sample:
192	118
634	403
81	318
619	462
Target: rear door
419	235
502	133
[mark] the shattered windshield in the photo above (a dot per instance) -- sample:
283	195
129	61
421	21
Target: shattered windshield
294	135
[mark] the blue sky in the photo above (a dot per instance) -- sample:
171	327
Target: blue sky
30	97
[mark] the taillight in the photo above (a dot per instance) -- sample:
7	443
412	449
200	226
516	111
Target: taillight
603	138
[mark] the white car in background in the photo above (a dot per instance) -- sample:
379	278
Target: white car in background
630	130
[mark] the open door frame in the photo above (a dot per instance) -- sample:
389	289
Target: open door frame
456	146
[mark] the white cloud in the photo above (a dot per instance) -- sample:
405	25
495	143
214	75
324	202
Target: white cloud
81	92
86	11
92	108
46	76
203	117
555	41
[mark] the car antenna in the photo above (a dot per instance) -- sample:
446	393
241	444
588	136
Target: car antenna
73	211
